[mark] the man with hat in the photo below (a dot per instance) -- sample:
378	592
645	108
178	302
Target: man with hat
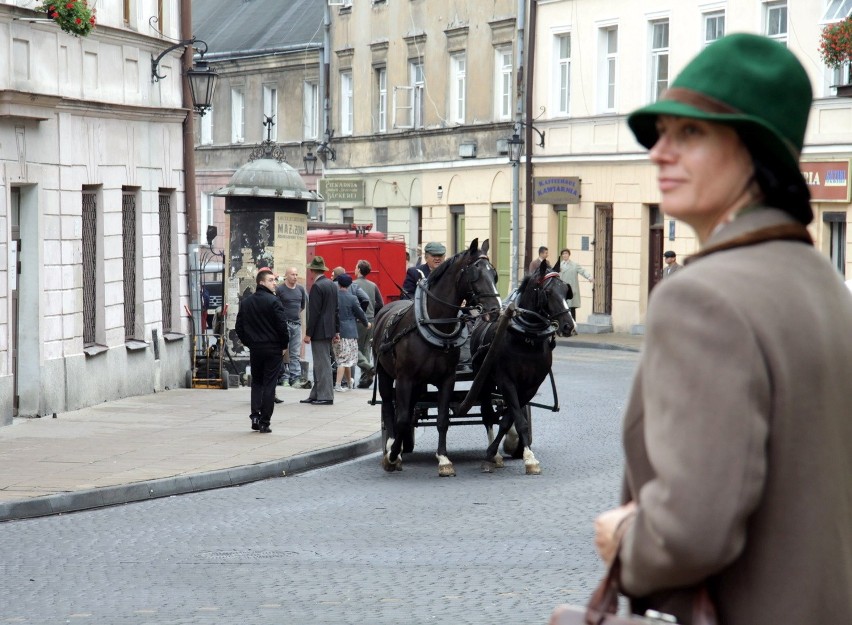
262	327
670	259
321	330
737	434
435	253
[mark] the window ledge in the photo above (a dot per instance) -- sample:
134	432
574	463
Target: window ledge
94	350
135	345
170	337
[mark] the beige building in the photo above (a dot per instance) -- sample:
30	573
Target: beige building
422	101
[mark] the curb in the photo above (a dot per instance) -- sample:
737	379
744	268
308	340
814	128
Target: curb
578	342
62	503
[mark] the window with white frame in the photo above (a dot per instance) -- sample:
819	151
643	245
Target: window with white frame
837	10
775	20
347	103
562	73
270	109
714	26
207	127
381	99
503	83
418	84
310	111
238	116
659	58
458	82
608	67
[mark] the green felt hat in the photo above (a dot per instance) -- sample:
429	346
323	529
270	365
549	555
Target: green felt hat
753	84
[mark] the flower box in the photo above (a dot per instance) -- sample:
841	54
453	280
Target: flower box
75	17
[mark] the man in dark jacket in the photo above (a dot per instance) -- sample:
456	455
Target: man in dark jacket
262	327
435	253
322	328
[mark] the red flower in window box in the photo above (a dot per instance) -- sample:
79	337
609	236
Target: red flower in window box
75	17
835	46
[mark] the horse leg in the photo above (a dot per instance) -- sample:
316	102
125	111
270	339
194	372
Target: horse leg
402	425
445	391
388	418
531	465
489	418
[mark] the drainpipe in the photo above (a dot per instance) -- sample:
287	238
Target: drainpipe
516	167
528	167
188	125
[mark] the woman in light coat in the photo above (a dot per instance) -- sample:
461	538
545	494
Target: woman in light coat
568	272
737	433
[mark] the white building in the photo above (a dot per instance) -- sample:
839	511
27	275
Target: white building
92	218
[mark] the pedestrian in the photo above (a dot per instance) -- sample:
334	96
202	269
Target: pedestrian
346	349
294	298
354	289
670	259
568	271
542	258
435	253
737	433
321	331
365	333
262	327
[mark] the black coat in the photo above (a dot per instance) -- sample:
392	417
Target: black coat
323	323
261	322
412	277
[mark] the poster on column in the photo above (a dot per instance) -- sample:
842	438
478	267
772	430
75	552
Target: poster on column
291	243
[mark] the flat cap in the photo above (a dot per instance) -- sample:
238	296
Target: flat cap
435	249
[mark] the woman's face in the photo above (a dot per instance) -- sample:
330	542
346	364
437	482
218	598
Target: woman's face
704	171
566	255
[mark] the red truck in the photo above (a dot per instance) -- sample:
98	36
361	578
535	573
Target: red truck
343	245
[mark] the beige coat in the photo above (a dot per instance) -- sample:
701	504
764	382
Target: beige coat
738	437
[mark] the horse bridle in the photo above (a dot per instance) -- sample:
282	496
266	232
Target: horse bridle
540	286
473	299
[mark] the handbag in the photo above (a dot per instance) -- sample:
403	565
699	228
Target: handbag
603	606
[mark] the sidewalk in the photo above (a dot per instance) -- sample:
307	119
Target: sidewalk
185	440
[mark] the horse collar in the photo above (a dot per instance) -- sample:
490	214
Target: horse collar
426	325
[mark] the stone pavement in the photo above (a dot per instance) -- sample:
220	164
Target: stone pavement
185	440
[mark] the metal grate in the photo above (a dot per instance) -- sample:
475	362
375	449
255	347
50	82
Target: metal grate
90	231
166	259
128	234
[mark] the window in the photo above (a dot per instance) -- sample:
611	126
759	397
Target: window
207	128
458	81
608	42
417	85
382	99
238	116
837	10
562	65
207	217
776	21
503	83
165	210
270	109
836	222
346	103
347	215
129	261
659	58
90	263
310	111
458	235
714	26
381	220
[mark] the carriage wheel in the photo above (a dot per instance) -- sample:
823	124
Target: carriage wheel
510	443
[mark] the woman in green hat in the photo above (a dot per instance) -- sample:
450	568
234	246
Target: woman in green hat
737	435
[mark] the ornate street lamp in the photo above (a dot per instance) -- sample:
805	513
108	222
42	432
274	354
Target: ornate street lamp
310	163
202	78
515	144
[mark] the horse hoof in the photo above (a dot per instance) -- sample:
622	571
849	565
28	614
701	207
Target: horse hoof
446	470
487	467
533	468
498	461
389	466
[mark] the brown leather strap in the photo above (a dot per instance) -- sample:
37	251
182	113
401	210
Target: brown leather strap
783	232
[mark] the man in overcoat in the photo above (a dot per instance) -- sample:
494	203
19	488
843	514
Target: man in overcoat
321	329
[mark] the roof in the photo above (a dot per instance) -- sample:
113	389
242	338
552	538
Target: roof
266	177
246	26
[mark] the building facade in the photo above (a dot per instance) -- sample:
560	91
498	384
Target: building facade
92	219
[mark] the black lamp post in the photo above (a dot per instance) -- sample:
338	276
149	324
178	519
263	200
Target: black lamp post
515	145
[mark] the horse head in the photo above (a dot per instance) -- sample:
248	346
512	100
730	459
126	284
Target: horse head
479	279
546	294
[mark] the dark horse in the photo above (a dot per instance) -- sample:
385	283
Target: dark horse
523	357
417	343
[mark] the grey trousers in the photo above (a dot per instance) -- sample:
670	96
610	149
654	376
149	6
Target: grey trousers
294	371
365	348
323	388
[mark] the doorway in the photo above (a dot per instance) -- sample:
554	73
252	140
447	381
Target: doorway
26	296
501	246
655	246
603	260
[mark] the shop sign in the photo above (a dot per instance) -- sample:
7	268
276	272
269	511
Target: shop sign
556	190
828	181
342	190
